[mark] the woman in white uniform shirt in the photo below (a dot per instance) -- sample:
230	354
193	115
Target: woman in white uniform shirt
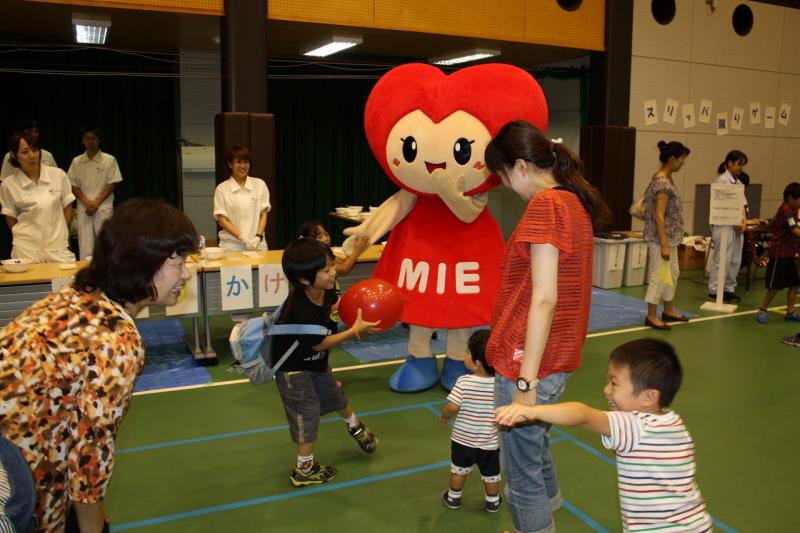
728	174
37	203
241	204
30	130
94	175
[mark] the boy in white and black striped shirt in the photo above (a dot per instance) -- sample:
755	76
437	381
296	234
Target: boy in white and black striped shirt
655	453
474	435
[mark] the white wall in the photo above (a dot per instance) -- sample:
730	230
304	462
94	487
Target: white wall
700	56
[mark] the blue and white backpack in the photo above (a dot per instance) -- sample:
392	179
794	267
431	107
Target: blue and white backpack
251	344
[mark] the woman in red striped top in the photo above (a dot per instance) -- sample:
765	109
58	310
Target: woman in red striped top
542	312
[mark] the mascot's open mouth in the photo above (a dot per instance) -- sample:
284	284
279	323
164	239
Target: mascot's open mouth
433	166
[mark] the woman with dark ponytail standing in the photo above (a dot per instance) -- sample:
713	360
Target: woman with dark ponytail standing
542	313
728	174
663	231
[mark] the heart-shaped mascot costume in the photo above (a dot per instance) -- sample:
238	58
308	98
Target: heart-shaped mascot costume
429	131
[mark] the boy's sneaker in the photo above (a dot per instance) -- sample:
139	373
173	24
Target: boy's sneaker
364	437
792	317
316	475
792	340
451	503
761	317
493	507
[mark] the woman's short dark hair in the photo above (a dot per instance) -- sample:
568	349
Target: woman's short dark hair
671	149
237	152
13	146
311	228
477	348
734	156
522	140
132	246
652	364
303	258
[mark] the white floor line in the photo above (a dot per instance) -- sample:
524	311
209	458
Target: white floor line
440	356
673	324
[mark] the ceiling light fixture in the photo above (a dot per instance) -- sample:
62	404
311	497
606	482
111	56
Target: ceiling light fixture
90	29
337	44
465	57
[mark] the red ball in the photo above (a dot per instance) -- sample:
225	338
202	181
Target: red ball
378	300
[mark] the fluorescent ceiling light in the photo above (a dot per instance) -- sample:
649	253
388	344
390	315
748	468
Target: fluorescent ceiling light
465	57
337	44
90	29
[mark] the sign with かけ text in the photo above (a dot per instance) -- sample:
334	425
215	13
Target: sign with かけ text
273	287
236	287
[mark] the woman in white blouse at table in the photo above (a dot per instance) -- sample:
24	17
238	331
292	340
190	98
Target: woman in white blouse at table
241	204
37	203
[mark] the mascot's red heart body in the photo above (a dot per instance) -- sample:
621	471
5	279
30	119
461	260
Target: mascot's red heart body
429	131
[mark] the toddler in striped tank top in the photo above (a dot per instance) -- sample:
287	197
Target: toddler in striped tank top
655	453
474	434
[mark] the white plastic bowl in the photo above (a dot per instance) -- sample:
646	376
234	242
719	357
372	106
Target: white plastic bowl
213	252
16	265
356	207
341	210
364	216
352	212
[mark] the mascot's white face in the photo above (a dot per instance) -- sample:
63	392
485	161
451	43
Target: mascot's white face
416	147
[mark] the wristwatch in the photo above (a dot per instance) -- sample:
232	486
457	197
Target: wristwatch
260	236
525	385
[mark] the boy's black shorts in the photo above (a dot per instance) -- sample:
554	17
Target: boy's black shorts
782	273
306	396
488	461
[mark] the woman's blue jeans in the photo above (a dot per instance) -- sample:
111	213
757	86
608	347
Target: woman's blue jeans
531	489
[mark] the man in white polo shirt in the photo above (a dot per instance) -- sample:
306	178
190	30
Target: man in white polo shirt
93	175
29	128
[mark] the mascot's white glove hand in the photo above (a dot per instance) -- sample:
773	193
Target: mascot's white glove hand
356	233
447	186
451	191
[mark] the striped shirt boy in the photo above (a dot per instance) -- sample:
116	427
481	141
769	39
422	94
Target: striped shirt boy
656	473
474	426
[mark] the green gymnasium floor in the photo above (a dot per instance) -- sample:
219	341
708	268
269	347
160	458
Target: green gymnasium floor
218	458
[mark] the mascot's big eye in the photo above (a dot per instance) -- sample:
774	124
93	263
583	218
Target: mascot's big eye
409	149
462	151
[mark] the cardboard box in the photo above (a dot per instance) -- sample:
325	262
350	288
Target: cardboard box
690	259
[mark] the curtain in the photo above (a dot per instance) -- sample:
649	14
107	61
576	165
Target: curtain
323	159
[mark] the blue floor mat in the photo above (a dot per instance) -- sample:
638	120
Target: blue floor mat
168	362
610	310
390	344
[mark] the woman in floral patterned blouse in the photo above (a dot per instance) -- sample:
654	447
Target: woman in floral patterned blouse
69	362
663	231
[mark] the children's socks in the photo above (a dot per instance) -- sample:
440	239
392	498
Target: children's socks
454	495
351	421
305	462
492	498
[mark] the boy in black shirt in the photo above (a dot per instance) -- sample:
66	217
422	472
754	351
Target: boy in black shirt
305	382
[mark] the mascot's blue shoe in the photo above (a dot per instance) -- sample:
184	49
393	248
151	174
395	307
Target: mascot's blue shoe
451	372
416	374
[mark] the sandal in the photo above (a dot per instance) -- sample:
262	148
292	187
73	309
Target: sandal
665	327
669	318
